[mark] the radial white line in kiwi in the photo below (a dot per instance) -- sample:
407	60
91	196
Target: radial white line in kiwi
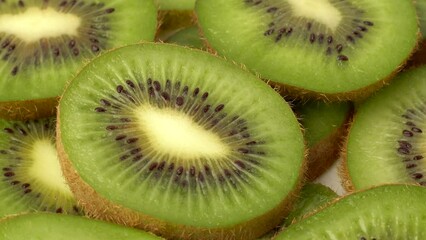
179	142
31	177
43	43
49	226
385	212
386	138
327	49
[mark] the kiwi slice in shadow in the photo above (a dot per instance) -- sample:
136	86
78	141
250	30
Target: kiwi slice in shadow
31	177
179	142
43	43
328	49
386	138
189	37
174	15
312	197
325	126
49	226
385	212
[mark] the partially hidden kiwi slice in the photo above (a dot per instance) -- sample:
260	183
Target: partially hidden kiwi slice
386	212
179	142
312	197
325	126
65	227
328	49
386	138
43	43
31	177
419	57
174	15
187	37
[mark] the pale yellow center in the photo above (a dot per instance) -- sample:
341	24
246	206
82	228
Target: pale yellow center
321	11
176	134
46	167
35	24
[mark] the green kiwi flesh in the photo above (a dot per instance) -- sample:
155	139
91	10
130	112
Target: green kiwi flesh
49	226
385	212
31	177
325	126
175	4
37	60
187	37
419	57
386	138
312	197
324	49
172	135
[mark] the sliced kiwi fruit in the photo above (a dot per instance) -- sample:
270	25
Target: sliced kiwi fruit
43	43
31	177
324	49
419	57
179	142
187	37
174	15
386	142
312	197
325	126
385	212
49	226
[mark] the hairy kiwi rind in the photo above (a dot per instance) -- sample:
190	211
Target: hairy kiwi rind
28	109
89	200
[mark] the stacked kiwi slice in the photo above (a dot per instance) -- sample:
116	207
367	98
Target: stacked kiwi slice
220	138
44	43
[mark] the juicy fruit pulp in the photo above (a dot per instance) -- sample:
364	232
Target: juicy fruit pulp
31	176
65	227
386	139
43	43
386	212
330	49
226	163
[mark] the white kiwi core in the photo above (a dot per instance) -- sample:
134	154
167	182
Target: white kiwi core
35	24
321	11
45	166
176	134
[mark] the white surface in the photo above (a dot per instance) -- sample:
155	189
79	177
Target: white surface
331	178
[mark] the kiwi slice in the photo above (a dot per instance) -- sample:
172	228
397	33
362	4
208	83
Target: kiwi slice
385	212
328	49
65	227
168	139
325	127
31	177
312	197
43	43
187	37
386	142
419	57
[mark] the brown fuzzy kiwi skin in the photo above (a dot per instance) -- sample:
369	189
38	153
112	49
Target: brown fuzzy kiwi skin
169	21
419	57
97	207
325	152
28	109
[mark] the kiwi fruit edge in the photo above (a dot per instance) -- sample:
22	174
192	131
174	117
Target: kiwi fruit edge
90	200
325	127
419	57
43	105
383	116
312	197
374	206
290	90
32	179
65	227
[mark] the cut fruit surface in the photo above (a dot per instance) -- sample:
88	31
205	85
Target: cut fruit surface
44	43
328	49
31	178
65	227
386	140
386	212
183	138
